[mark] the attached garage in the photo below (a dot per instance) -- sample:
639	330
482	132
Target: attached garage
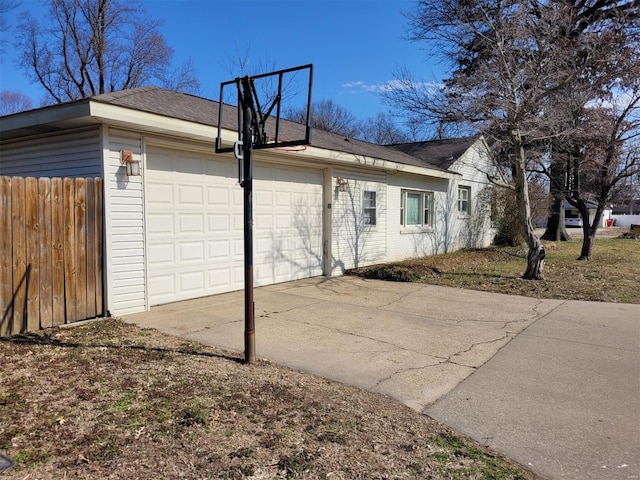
195	224
174	227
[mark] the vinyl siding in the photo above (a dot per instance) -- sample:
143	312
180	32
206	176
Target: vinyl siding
450	230
125	231
355	244
72	154
411	242
473	231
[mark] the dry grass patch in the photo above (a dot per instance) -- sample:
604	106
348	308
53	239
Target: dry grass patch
611	276
111	400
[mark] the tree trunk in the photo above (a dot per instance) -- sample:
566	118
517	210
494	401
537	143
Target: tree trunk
535	257
556	230
589	230
587	243
535	262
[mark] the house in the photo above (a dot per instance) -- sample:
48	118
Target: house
572	216
175	231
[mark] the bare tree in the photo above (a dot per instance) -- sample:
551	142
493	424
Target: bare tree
606	47
602	164
382	130
328	116
5	7
87	47
331	117
13	102
510	58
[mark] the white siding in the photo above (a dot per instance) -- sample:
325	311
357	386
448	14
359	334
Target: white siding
125	227
72	154
472	231
411	242
355	244
451	230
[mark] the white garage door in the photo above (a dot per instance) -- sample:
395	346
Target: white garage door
195	224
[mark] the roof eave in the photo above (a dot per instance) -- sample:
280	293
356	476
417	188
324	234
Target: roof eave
89	111
118	116
46	120
151	122
335	157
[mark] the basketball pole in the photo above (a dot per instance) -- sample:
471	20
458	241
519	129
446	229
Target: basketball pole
247	184
251	136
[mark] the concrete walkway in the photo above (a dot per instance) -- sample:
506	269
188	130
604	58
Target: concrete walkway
553	384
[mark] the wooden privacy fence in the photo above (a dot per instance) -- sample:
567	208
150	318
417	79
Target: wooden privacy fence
51	252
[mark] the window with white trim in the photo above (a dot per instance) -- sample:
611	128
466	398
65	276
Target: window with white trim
416	208
369	207
464	200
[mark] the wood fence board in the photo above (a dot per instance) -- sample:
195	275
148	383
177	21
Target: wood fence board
19	253
70	299
51	252
99	247
6	264
33	253
57	239
90	251
45	277
81	248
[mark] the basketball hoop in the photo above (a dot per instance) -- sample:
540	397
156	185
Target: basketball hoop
258	128
265	96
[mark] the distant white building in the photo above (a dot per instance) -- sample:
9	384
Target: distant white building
572	216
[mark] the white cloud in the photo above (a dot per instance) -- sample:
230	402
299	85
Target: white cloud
620	100
391	85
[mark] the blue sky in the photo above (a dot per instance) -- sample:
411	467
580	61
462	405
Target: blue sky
354	45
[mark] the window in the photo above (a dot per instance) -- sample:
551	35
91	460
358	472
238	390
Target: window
464	200
369	207
416	209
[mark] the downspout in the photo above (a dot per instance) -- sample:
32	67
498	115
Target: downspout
107	259
327	222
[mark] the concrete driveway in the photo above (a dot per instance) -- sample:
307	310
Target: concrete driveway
553	384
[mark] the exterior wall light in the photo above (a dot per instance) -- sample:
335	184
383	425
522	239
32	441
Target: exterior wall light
342	184
132	166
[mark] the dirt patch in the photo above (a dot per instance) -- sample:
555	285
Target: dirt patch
111	400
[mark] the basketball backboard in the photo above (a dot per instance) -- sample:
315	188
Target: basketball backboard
264	99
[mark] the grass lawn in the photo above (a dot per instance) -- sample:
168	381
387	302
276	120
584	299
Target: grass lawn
612	275
111	400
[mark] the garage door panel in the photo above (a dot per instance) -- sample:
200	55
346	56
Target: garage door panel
191	282
162	254
190	223
238	247
238	197
219	277
190	195
283	199
226	170
191	252
219	223
263	223
219	249
218	196
162	286
238	224
195	225
161	194
160	223
263	198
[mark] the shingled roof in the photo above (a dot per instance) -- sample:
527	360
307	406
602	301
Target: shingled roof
204	111
439	153
435	155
